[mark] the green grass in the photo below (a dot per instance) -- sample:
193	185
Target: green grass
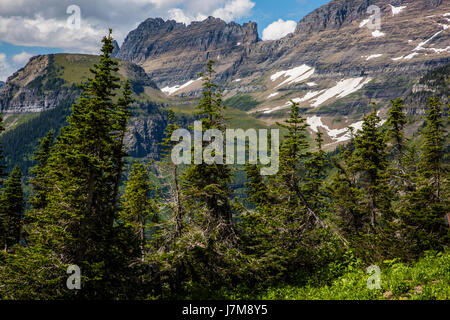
242	102
13	121
427	279
236	119
74	68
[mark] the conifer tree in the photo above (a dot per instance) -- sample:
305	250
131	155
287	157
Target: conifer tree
84	173
175	198
370	160
315	175
294	154
202	250
396	122
427	203
3	174
139	210
38	181
12	205
433	148
206	186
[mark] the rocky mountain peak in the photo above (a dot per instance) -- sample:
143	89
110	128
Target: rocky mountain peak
181	50
337	13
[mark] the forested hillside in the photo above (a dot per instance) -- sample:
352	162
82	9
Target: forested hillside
163	230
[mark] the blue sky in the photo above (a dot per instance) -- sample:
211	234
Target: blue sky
32	27
267	11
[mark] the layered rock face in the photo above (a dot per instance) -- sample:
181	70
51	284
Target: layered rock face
27	90
172	52
334	65
334	39
46	81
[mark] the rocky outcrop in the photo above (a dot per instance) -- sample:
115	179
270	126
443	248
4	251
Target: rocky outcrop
48	83
332	39
45	82
31	90
172	52
145	133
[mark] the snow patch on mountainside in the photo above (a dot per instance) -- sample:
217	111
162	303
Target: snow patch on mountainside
397	10
378	34
294	75
273	95
337	135
342	89
410	56
373	56
364	22
171	90
422	44
308	96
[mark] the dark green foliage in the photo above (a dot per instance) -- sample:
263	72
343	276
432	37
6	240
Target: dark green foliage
242	102
370	160
396	122
76	221
12	205
39	182
2	165
428	200
29	134
181	232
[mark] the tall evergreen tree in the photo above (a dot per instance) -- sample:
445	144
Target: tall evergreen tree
315	176
84	173
170	172
3	173
396	122
12	205
38	181
427	203
139	209
433	149
206	186
370	160
294	154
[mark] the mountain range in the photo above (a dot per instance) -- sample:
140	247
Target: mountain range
334	64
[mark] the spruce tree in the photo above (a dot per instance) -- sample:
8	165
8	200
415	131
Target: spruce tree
170	173
433	148
427	203
3	173
84	172
370	161
294	154
38	182
139	210
202	249
315	175
12	205
396	123
206	186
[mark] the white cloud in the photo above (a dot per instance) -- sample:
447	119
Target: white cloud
22	58
6	69
278	29
234	9
43	22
